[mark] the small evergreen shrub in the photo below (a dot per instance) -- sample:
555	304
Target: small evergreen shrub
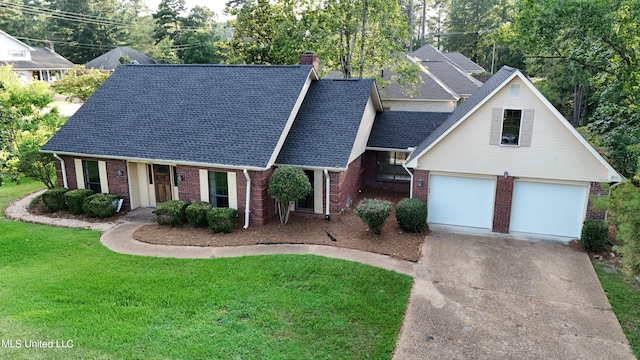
374	212
100	205
171	212
411	215
197	213
222	219
74	199
594	235
53	199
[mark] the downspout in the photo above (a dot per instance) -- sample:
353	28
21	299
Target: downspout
63	168
247	200
327	195
411	180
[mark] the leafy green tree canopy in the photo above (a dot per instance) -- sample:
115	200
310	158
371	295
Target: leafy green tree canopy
287	185
81	82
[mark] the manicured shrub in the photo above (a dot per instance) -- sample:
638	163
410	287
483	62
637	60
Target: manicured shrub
53	199
411	215
35	202
74	199
287	185
171	212
594	235
197	213
222	219
101	205
374	212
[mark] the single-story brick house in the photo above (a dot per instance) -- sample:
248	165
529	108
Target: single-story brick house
216	132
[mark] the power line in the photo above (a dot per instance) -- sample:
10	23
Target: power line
65	15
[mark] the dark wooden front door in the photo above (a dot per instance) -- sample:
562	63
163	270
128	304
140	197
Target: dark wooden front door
162	175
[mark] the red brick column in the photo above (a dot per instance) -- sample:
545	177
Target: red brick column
189	187
595	190
118	180
420	184
502	204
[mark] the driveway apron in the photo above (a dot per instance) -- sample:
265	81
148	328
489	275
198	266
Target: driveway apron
494	298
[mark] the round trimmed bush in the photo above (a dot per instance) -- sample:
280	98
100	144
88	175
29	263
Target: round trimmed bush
75	198
197	213
101	205
222	219
53	199
594	235
374	212
171	212
411	215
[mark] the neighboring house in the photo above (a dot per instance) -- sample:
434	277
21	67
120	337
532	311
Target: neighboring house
464	63
215	132
443	83
504	161
111	59
507	161
32	63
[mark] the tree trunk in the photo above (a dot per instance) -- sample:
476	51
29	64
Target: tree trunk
363	37
283	211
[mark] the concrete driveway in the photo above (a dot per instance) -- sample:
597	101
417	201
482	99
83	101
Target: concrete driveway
494	298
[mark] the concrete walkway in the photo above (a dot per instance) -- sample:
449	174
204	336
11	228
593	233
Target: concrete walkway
473	297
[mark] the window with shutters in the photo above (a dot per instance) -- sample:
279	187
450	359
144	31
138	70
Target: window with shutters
511	121
511	127
92	175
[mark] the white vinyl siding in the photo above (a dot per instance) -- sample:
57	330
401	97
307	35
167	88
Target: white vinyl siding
548	208
555	152
461	201
77	163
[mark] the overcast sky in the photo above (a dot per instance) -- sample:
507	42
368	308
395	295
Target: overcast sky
216	5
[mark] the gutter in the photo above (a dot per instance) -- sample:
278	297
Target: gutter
64	170
247	199
327	195
404	166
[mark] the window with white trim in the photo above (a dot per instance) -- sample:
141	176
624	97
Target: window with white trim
511	122
91	175
218	189
389	166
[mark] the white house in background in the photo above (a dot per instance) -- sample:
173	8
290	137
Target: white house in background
39	63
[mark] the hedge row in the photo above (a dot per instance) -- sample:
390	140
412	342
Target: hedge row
197	214
411	214
81	201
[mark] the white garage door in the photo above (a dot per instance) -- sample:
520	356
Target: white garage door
462	201
549	209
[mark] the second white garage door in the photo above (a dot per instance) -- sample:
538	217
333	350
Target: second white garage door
549	209
461	201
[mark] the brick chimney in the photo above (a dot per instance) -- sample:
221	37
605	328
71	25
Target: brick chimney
310	58
50	46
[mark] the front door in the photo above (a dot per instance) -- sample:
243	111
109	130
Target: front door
162	176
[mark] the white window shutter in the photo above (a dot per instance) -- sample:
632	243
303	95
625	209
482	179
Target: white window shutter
526	127
496	126
79	173
233	190
104	181
204	185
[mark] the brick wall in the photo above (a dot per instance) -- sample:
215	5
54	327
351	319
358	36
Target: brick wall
595	190
420	184
119	184
261	207
71	172
502	204
370	175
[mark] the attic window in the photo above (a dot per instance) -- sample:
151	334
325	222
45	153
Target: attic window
511	127
17	53
514	91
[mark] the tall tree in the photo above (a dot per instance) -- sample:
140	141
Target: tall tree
600	38
168	18
469	25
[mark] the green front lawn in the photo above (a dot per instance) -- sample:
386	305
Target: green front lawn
62	284
10	191
624	297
